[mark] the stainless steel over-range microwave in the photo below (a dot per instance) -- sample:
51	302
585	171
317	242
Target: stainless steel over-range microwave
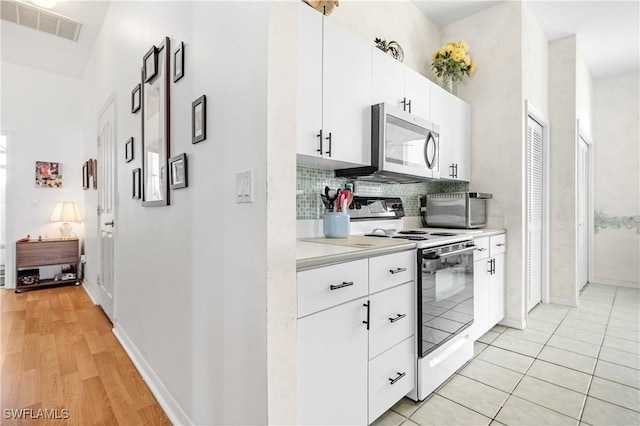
404	148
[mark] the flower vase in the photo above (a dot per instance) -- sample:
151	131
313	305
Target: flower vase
447	83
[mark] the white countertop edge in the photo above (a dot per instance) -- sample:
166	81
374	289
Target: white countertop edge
347	254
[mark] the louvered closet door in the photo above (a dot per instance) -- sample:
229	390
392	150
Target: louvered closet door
583	215
534	213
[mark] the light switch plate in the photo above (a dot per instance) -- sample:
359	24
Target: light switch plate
244	186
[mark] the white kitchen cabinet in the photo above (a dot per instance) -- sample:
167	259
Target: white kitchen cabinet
453	116
398	85
332	366
334	93
489	284
353	342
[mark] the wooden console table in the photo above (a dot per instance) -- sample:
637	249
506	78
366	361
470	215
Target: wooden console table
30	255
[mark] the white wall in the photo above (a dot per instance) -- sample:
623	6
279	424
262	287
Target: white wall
616	134
569	102
191	278
40	117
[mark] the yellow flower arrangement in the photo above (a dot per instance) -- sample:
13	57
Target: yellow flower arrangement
452	61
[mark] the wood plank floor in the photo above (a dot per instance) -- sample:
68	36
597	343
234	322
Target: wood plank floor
59	358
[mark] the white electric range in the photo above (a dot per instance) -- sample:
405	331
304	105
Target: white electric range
444	283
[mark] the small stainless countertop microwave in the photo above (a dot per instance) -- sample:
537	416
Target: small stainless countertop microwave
457	210
404	148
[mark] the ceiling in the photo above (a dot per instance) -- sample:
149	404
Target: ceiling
608	31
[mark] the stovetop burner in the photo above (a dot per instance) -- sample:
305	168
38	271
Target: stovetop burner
412	232
411	237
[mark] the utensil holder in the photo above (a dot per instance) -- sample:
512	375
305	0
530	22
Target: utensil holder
336	224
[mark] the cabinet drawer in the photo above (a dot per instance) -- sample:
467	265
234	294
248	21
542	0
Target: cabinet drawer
482	251
46	253
498	244
391	376
391	270
392	317
324	287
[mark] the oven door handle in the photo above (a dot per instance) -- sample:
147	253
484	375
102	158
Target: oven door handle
465	250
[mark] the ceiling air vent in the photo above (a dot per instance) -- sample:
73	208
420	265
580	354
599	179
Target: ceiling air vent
39	19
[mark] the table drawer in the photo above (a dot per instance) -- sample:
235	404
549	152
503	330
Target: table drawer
391	270
46	253
328	286
482	251
498	244
391	376
392	317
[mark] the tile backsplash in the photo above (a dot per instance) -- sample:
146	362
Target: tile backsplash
310	184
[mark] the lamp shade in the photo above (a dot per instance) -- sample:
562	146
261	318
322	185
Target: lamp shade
65	211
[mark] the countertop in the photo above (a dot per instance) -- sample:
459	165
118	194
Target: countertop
314	252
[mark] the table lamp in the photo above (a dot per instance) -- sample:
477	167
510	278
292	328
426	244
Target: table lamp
66	212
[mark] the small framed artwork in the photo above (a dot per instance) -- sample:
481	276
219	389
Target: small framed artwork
178	62
136	193
48	175
128	150
85	175
199	119
135	99
150	62
178	170
94	174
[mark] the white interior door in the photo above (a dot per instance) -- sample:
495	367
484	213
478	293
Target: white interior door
583	213
535	198
106	195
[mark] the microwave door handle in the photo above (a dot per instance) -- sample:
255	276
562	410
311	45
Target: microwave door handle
428	160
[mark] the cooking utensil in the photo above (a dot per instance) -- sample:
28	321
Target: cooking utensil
328	204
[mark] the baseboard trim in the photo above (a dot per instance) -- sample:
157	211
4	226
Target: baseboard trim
565	302
88	288
167	402
616	283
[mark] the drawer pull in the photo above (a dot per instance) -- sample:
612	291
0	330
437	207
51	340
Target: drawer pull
400	376
399	317
397	271
344	284
501	244
481	249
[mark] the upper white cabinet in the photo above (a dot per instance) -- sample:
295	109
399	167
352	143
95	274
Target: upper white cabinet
453	116
398	85
334	93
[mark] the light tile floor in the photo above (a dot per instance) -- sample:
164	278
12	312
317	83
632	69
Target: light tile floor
569	366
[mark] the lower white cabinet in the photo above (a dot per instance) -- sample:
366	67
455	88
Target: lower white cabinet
332	366
489	285
356	347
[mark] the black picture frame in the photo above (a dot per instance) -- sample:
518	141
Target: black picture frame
85	175
128	150
135	99
136	193
178	171
156	130
199	119
94	173
150	64
178	62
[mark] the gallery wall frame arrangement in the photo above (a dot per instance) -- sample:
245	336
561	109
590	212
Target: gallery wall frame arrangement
48	174
136	193
178	62
199	119
156	125
94	172
128	150
135	98
179	171
85	175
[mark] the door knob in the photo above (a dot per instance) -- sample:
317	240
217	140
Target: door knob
109	223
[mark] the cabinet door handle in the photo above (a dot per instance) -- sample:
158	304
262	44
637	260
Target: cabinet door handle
455	168
451	174
409	105
399	317
329	139
368	306
400	376
344	284
493	266
490	264
404	104
319	136
397	271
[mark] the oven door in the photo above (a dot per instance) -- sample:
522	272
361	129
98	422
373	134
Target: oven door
445	286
